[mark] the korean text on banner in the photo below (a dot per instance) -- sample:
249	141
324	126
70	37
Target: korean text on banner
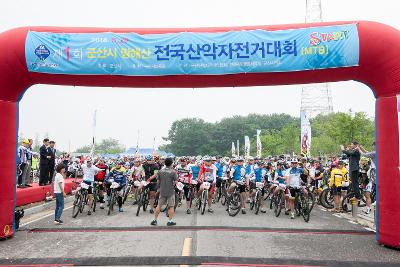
193	53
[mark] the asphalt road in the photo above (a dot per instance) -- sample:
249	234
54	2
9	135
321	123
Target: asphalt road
210	239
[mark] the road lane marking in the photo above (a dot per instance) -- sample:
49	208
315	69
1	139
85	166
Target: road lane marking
187	249
42	217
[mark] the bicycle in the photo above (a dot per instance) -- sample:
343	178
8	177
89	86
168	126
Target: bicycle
192	188
81	197
96	193
278	201
223	190
128	190
258	197
143	201
202	203
326	198
113	198
301	205
234	202
346	202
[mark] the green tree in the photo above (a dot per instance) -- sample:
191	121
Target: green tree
106	146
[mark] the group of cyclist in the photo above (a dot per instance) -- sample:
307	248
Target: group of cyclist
290	175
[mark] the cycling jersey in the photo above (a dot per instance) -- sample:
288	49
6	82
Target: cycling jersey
239	174
345	178
150	170
294	174
250	170
195	172
220	169
102	173
336	177
209	173
260	174
280	176
137	172
89	172
184	174
118	175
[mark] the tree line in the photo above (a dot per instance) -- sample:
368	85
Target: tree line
280	134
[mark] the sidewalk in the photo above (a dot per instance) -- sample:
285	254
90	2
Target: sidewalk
366	220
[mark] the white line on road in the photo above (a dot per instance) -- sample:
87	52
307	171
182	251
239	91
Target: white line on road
42	217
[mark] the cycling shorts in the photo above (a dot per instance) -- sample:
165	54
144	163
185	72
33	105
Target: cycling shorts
90	190
336	190
293	191
368	188
152	187
242	187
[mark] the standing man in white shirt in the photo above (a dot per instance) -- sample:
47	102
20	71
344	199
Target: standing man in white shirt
89	171
59	192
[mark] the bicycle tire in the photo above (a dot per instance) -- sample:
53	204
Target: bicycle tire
234	204
311	199
223	199
305	209
145	200
279	201
76	205
112	200
204	197
126	193
252	203
326	199
139	204
94	203
257	204
83	201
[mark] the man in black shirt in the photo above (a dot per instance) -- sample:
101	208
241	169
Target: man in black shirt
150	171
353	152
52	161
44	163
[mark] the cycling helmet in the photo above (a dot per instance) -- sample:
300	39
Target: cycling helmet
149	157
213	158
240	159
294	161
206	158
198	162
250	158
120	162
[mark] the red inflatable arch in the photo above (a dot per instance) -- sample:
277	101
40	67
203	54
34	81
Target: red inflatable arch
379	68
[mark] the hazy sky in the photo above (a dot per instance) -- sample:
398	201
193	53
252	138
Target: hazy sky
70	109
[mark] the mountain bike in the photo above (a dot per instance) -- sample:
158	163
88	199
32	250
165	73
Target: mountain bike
258	197
234	202
143	201
223	190
96	194
81	198
278	201
301	205
128	189
202	203
113	198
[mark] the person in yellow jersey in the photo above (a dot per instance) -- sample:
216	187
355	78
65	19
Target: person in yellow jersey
335	182
345	179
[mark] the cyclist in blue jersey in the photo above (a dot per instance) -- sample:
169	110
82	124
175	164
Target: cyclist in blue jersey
117	175
220	170
238	174
260	176
293	180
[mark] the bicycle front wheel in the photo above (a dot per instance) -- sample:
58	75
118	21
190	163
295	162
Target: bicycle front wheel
76	205
204	198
